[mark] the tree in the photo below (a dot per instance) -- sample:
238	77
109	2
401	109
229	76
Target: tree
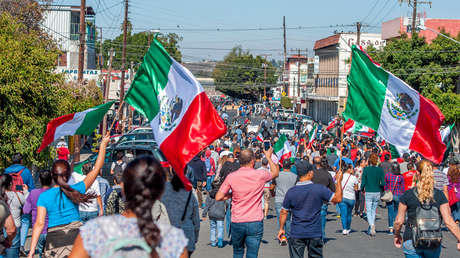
286	102
241	75
31	94
432	69
27	12
137	45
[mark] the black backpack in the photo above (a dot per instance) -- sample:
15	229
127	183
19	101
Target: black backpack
189	173
118	167
426	232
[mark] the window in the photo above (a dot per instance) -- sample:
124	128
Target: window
75	26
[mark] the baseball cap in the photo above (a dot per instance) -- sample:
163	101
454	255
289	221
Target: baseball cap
303	168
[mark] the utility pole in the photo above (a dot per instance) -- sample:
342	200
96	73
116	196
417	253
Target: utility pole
130	112
414	17
298	73
81	62
107	90
101	57
285	54
358	33
264	65
123	64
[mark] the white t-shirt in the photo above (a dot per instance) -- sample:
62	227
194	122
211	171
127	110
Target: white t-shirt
92	205
348	185
224	153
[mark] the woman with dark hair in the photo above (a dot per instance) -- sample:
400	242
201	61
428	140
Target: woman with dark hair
372	183
453	174
60	203
6	219
134	233
394	182
182	207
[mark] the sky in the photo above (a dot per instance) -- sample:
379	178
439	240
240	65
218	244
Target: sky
210	28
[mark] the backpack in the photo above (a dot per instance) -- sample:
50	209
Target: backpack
17	180
426	232
118	167
127	247
207	162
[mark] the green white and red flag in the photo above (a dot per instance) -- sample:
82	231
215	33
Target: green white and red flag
80	123
312	136
282	148
183	119
332	124
398	113
357	128
259	137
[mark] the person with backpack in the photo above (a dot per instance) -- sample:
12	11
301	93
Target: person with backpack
183	212
216	212
119	165
60	203
115	202
30	207
16	200
425	206
199	174
394	183
133	234
21	175
6	219
210	169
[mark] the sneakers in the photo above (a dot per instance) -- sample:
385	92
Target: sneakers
346	232
283	241
390	231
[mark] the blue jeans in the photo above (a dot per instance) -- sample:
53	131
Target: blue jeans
323	220
25	225
392	210
247	234
287	226
13	251
372	201
346	208
216	225
87	215
41	244
209	180
228	218
456	211
411	252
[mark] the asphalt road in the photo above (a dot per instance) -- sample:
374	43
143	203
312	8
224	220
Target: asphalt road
357	244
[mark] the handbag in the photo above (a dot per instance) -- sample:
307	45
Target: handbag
452	196
388	195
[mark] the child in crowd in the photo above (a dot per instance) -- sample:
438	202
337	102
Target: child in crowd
216	212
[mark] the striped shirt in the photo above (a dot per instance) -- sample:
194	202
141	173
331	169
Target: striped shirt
440	179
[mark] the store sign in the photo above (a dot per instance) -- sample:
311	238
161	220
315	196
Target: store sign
85	72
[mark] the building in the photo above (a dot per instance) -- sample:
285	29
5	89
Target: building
396	27
62	22
115	82
328	96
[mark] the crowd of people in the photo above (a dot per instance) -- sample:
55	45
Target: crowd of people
146	209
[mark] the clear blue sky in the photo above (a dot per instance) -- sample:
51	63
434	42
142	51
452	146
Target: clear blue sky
238	14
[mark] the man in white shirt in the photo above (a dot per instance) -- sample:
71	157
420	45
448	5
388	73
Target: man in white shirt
93	208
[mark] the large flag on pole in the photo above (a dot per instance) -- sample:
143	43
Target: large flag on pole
80	123
312	136
357	128
399	114
183	119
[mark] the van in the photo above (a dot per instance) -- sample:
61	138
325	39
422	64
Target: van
287	128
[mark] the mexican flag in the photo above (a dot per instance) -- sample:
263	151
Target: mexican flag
80	123
446	136
331	124
312	136
399	114
260	138
183	119
357	128
282	148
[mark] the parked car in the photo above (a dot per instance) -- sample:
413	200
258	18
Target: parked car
142	129
135	137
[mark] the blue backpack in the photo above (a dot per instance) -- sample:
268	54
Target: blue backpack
207	162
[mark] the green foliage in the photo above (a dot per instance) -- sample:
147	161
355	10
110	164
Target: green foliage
241	74
137	46
286	102
432	69
31	94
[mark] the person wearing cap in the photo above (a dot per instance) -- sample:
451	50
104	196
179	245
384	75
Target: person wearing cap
304	201
245	187
283	183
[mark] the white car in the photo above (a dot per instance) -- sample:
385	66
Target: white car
287	128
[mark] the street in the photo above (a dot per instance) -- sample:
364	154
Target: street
358	244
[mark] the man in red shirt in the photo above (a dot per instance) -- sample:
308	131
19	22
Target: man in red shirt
63	153
408	176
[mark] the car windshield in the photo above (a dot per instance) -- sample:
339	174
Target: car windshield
289	111
132	137
285	126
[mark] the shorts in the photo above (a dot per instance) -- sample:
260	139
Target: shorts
267	194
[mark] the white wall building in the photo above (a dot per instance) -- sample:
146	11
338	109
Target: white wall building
328	96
